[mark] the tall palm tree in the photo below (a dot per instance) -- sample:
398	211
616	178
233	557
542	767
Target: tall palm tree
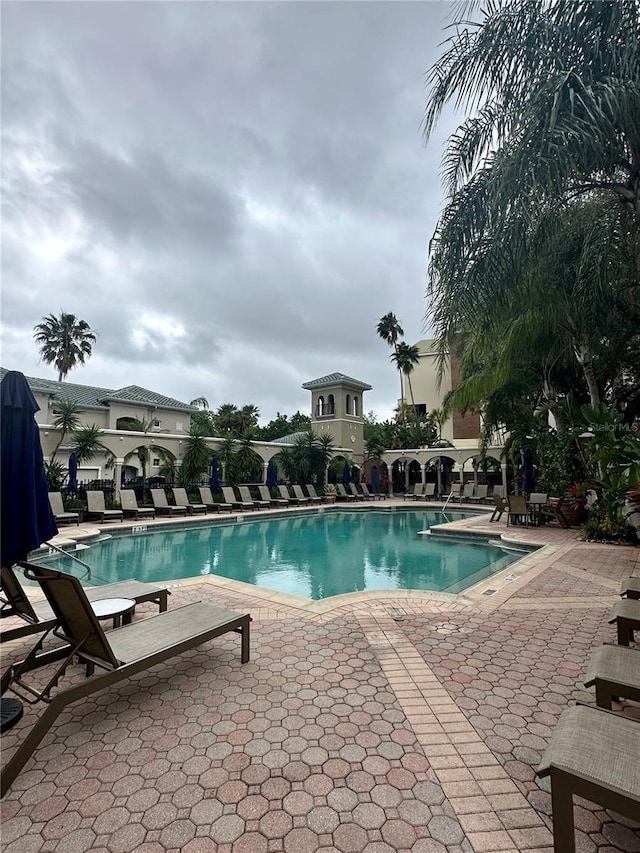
64	341
87	443
406	357
390	330
227	419
195	459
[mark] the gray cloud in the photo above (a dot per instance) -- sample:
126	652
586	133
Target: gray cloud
231	194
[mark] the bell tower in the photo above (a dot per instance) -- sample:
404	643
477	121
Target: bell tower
337	408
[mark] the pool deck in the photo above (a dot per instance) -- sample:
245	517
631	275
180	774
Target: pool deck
366	723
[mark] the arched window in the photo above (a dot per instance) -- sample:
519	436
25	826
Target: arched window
331	405
355	406
320	410
348	404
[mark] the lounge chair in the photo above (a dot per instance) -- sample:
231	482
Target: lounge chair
630	588
129	504
498	492
455	491
467	492
499	508
428	493
416	492
342	493
364	493
38	616
266	495
182	499
96	507
615	672
122	653
59	512
594	755
626	615
162	507
518	511
286	494
314	497
302	499
245	495
481	495
553	512
354	491
230	497
207	499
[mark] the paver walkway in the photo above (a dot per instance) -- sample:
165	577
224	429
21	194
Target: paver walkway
368	723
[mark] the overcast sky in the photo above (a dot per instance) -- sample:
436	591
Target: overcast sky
230	194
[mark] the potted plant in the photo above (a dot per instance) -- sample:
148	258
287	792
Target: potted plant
330	493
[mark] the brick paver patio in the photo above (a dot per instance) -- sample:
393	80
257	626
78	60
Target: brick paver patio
367	723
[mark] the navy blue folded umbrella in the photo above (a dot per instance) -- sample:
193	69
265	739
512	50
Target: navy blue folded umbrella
27	519
374	479
528	482
214	482
272	474
72	486
346	474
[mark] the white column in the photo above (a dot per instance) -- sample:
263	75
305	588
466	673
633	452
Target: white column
265	466
117	478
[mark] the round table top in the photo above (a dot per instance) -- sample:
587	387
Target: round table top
105	608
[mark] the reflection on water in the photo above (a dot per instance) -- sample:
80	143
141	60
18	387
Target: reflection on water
315	556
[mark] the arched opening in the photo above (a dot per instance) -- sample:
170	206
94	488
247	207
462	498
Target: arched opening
320	408
355	406
348	404
331	405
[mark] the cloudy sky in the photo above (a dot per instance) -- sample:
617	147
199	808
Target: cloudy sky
230	194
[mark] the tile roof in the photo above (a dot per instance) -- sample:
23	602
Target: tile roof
92	397
335	379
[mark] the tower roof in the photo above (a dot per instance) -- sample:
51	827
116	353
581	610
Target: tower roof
335	379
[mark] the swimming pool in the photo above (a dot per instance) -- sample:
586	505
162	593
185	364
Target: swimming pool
313	555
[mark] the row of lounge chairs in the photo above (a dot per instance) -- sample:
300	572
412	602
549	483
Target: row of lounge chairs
458	491
242	500
594	752
68	615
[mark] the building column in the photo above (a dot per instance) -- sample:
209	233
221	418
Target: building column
265	466
423	472
475	475
117	478
503	469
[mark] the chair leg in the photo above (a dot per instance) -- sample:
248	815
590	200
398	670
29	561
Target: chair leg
564	839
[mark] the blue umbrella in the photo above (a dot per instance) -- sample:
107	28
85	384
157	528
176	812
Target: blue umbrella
27	519
346	474
272	474
374	479
73	474
528	483
214	482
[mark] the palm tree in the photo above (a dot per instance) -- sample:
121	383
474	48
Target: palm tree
390	330
64	341
227	419
405	358
227	455
67	420
200	403
248	463
87	443
195	459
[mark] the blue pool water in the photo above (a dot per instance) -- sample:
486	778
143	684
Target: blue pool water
315	555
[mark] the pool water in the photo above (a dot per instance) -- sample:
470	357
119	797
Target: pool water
315	555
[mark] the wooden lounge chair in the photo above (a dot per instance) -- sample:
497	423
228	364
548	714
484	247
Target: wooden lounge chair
481	495
342	493
266	495
129	504
122	653
302	499
286	494
230	498
615	672
181	498
96	508
630	588
363	492
595	755
498	491
518	511
626	615
245	495
162	507
207	499
314	497
38	617
499	508
366	490
456	491
59	513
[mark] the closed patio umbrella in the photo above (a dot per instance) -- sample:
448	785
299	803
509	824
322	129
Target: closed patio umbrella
346	474
26	517
272	475
528	483
374	479
72	487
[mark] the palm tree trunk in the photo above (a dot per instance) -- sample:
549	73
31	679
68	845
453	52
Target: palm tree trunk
585	360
